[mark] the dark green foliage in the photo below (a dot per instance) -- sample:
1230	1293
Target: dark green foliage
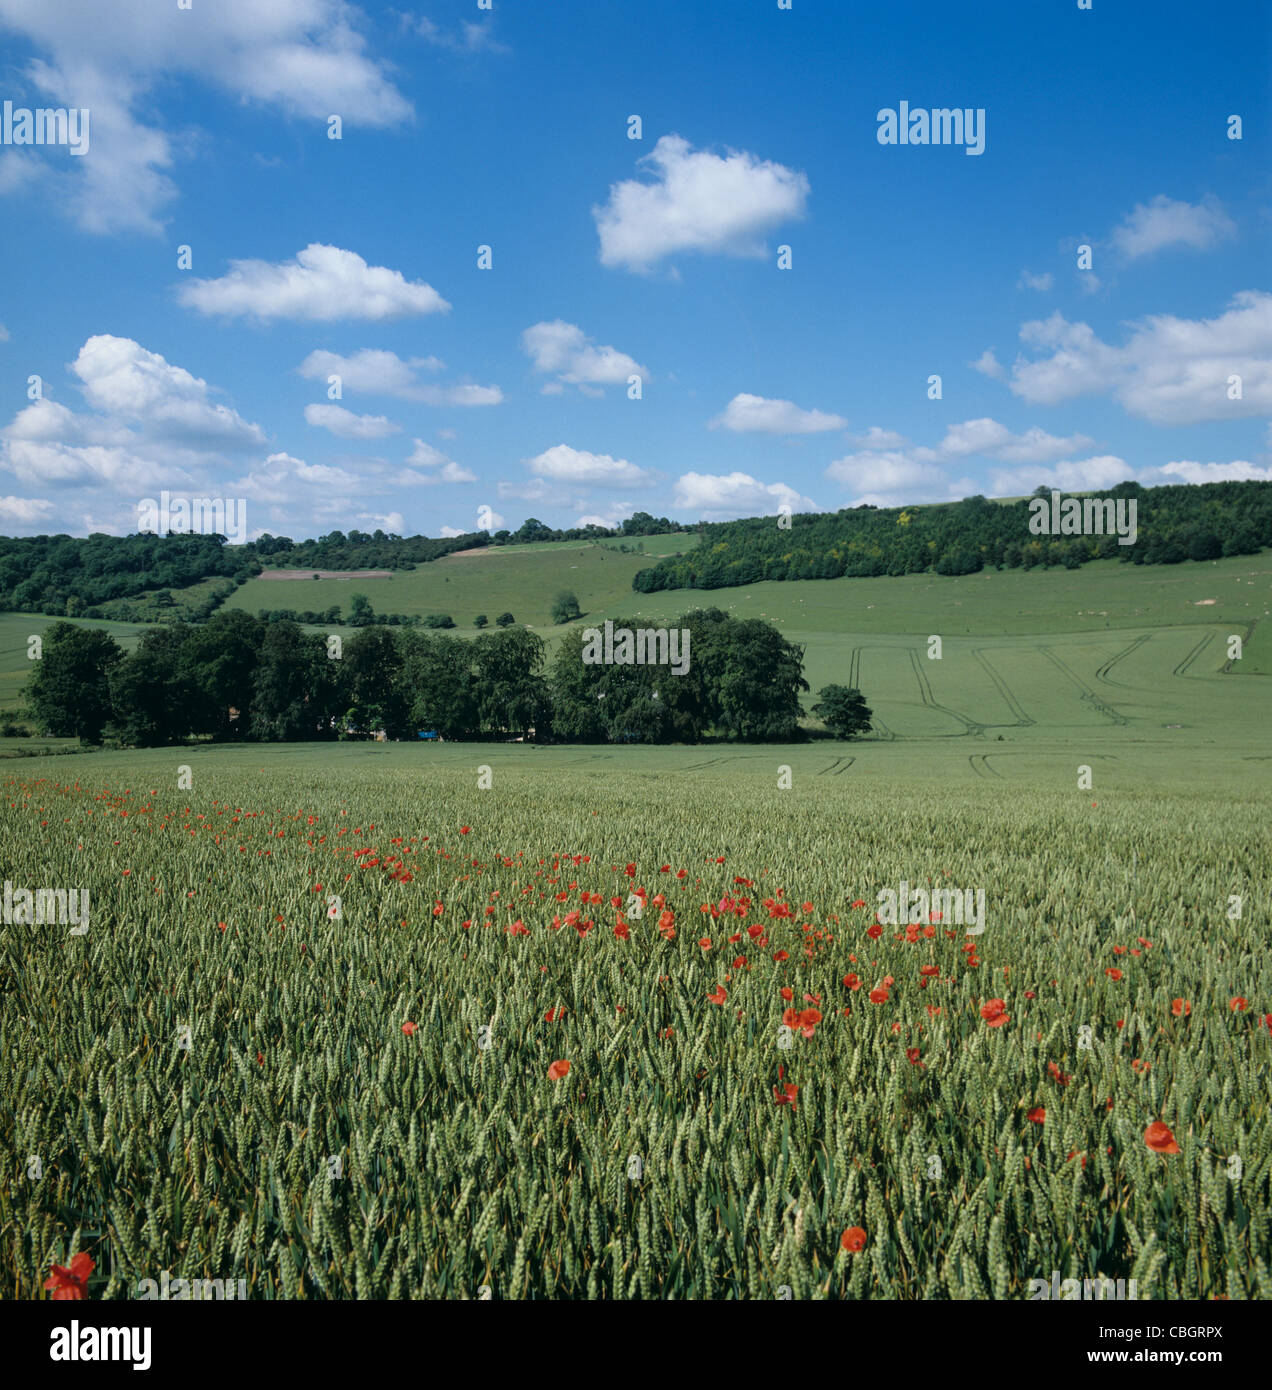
68	687
964	537
843	710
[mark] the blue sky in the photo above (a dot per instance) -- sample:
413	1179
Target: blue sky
507	388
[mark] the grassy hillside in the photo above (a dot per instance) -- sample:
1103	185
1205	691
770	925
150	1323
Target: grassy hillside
520	579
16	628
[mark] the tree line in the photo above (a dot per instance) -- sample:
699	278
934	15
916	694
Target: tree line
238	678
1175	523
76	576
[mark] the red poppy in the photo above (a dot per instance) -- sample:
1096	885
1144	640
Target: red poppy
853	1239
992	1013
704	942
929	970
71	1282
1179	1007
1159	1138
557	1070
852	981
719	996
1238	1005
787	993
874	933
878	996
621	931
787	1094
408	1028
464	829
1113	973
630	870
1038	1115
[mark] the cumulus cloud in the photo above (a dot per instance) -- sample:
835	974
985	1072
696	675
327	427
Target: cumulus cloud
381	373
151	423
698	201
876	438
988	365
1168	371
322	283
123	380
26	511
564	349
892	476
1164	222
746	414
563	464
1079	475
1029	281
301	58
344	424
393	522
719	496
1240	470
441	468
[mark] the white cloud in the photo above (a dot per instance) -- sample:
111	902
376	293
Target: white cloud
1029	281
563	464
1082	475
876	438
393	523
26	511
1164	222
698	202
303	58
381	373
122	379
470	37
450	532
443	469
322	283
344	424
152	424
564	348
717	497
988	365
1169	371
4	334
1240	470
746	414
994	440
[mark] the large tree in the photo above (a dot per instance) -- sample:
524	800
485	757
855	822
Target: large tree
69	686
843	710
153	699
294	690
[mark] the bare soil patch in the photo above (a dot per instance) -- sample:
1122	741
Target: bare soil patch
325	574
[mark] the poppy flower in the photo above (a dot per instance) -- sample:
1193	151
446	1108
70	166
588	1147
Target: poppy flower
787	993
621	931
874	933
71	1282
1180	1007
929	970
992	1013
554	1013
408	1028
1038	1115
912	1053
464	829
719	996
852	981
704	942
1238	1005
1159	1138
790	1018
878	996
853	1239
787	1094
557	1070
1113	973
630	870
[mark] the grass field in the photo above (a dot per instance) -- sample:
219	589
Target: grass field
520	579
15	631
308	1144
